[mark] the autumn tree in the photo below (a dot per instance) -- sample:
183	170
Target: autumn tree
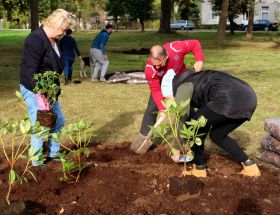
115	8
236	7
190	9
140	9
15	10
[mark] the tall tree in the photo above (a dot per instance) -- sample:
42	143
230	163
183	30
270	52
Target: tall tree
115	8
16	10
249	33
222	23
165	16
140	9
190	9
236	7
34	14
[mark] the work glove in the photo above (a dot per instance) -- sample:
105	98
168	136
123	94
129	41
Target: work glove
178	158
42	102
166	83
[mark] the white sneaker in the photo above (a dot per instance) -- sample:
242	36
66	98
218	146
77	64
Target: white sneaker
103	79
94	79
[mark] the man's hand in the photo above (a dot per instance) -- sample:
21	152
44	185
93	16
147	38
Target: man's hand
198	66
105	57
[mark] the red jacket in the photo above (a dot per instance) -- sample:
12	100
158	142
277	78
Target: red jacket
176	51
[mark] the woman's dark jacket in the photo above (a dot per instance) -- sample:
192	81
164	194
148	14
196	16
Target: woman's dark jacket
38	57
222	93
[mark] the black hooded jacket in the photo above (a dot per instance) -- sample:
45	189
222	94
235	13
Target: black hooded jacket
38	57
222	93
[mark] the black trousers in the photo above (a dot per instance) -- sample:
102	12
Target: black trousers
218	128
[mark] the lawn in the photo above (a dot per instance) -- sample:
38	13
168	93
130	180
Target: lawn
117	109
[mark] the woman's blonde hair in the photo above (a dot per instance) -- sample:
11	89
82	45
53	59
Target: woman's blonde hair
58	19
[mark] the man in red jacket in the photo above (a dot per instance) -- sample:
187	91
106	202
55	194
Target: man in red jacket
164	61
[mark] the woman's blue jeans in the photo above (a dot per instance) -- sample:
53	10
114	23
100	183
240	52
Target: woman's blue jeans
32	108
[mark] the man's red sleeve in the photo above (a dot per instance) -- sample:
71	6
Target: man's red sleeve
194	47
154	84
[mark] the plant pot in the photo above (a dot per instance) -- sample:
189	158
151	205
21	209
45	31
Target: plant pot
46	118
185	188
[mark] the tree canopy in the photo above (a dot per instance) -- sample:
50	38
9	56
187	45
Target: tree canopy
140	9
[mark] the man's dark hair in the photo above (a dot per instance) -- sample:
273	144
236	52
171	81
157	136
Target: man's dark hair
68	31
108	26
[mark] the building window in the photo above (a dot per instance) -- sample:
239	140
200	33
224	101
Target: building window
265	12
213	15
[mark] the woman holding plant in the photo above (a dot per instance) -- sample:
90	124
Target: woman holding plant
226	102
40	55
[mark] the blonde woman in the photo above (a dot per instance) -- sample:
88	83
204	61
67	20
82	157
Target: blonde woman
41	54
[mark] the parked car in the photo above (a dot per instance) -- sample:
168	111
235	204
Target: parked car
263	25
182	25
236	27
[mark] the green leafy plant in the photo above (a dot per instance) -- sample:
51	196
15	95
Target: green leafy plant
72	159
183	135
16	146
47	85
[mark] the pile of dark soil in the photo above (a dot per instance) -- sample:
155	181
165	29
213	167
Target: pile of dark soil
142	51
119	182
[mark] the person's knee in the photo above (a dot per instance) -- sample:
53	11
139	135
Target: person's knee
216	137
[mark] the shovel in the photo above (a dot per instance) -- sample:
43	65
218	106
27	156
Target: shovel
144	147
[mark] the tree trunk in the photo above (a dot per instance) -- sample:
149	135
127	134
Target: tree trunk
222	23
116	23
142	25
165	16
231	25
249	34
34	14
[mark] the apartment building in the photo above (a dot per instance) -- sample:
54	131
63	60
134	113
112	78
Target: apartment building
265	9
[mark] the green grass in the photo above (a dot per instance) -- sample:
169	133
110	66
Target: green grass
116	110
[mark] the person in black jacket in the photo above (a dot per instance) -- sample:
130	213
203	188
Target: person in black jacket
41	54
226	102
68	46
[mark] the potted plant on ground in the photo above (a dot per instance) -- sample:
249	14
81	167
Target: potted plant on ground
46	90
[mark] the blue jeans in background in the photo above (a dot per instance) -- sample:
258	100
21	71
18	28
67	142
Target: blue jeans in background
32	108
68	67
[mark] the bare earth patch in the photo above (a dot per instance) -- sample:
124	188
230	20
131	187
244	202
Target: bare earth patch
119	182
